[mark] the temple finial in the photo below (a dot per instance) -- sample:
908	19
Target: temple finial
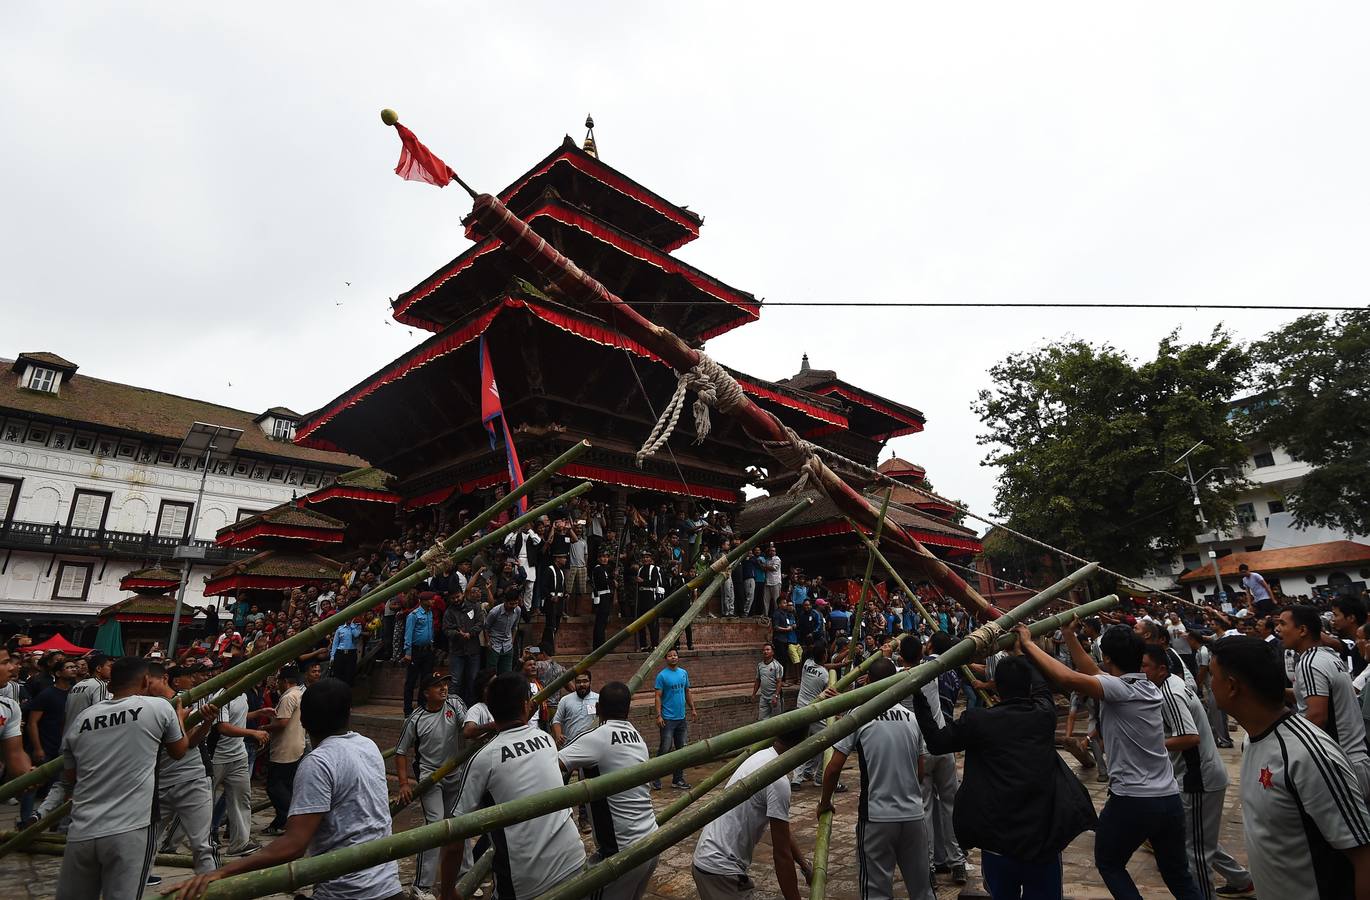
589	146
804	363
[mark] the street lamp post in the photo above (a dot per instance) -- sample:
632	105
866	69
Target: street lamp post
216	441
1193	484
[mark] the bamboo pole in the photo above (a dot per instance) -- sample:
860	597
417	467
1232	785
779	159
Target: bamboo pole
677	628
642	621
58	848
314	869
890	691
858	616
818	886
402	580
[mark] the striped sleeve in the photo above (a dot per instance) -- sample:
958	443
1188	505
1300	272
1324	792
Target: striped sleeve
409	734
1326	788
1317	682
1175	714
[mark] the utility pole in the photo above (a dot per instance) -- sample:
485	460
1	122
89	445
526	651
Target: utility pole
1193	484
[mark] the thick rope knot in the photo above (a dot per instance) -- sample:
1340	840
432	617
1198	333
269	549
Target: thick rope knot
437	560
713	386
986	638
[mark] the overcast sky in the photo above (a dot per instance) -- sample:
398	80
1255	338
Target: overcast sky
186	188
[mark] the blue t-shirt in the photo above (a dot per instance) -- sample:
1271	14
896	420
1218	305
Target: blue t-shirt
672	685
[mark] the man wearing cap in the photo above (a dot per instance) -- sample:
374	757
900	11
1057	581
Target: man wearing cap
184	796
554	577
601	594
418	647
430	736
651	588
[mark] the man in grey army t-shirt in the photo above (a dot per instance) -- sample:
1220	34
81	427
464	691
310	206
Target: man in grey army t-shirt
110	759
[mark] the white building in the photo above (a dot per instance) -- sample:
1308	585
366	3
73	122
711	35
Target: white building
92	485
1263	526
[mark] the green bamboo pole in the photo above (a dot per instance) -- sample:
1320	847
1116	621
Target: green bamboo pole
22	838
642	621
314	869
818	886
1080	574
890	691
404	579
58	848
857	619
677	628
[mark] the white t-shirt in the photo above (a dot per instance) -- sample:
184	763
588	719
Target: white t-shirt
726	845
1134	738
230	748
344	779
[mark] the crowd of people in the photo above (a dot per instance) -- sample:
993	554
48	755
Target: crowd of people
1154	689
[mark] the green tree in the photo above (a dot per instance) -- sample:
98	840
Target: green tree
1079	431
1314	381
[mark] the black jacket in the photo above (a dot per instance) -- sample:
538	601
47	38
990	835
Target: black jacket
1017	796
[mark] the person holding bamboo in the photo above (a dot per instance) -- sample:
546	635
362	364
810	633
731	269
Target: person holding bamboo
889	827
340	800
519	760
430	735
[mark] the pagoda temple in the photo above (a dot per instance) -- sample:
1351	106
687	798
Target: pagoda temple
289	539
565	374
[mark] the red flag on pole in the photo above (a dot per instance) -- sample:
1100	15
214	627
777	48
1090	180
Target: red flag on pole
490	409
418	163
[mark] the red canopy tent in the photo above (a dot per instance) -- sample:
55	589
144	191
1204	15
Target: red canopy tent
57	642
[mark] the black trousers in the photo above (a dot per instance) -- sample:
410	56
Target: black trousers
601	620
345	665
552	607
420	664
280	785
645	601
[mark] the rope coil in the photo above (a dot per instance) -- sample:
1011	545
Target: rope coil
437	560
713	386
985	638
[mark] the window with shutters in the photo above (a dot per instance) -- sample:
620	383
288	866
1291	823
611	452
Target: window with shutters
173	520
88	510
283	429
41	379
73	581
9	498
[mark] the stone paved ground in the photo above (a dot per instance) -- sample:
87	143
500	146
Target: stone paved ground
25	876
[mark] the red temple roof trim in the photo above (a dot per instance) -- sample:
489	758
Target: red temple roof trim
129	583
340	492
559	212
451	341
649	483
601	172
827	529
465	487
273	530
872	402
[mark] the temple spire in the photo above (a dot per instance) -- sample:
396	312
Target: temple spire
589	146
804	363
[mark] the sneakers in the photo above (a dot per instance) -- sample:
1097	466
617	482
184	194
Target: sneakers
681	785
245	849
656	785
1232	890
958	873
273	831
418	893
153	881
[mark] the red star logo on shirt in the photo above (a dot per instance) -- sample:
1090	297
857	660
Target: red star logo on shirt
3	720
451	715
1267	778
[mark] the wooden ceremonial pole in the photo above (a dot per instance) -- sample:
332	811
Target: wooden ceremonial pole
719	567
568	279
267	661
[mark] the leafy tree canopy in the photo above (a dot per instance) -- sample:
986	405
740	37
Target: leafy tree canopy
1314	401
1079	430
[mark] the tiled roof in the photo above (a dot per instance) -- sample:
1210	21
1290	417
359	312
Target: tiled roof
289	514
155	573
279	412
1328	555
92	401
762	510
44	358
367	479
279	564
142	605
897	466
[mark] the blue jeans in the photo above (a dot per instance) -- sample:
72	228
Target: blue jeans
1013	878
673	732
1124	824
463	670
